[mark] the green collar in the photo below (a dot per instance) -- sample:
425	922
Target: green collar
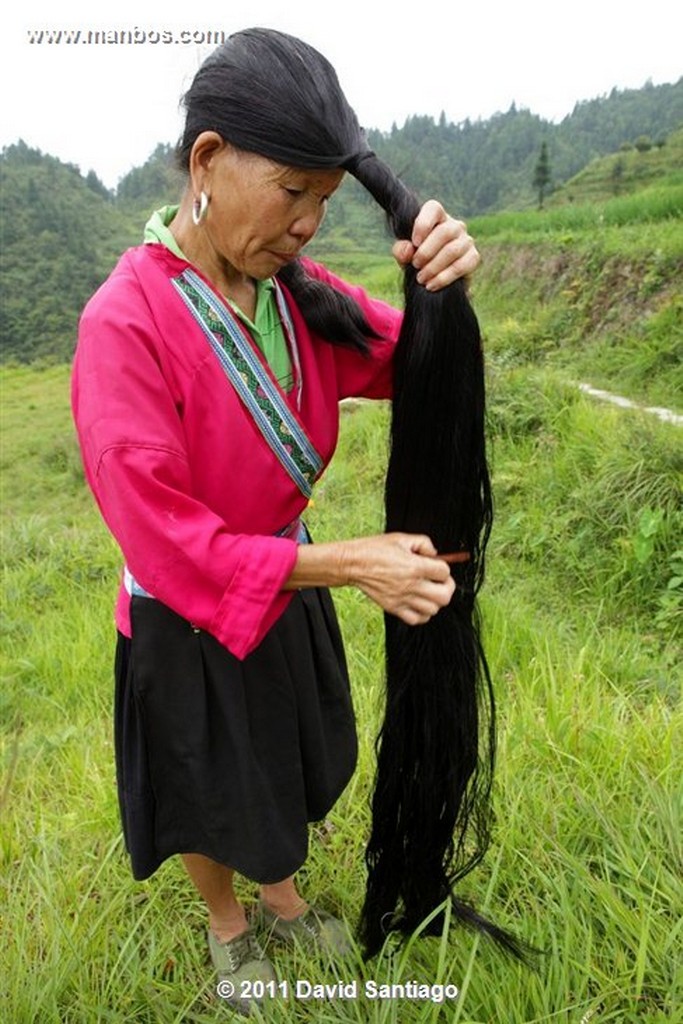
266	328
157	229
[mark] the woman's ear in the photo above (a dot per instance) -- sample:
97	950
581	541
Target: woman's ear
206	147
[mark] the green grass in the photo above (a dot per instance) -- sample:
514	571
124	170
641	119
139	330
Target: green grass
600	305
582	608
660	202
624	172
589	288
586	858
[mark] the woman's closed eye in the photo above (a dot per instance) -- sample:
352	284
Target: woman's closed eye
296	193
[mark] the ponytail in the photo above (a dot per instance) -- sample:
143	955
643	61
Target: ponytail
333	315
435	751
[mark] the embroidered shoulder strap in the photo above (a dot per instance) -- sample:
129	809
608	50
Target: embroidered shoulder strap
279	426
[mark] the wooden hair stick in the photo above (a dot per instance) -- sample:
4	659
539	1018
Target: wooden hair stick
455	556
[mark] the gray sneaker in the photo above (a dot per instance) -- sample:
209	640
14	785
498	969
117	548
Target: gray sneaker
315	930
239	962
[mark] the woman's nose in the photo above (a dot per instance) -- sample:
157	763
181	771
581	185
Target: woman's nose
306	225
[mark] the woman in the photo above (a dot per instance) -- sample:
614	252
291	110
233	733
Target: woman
205	392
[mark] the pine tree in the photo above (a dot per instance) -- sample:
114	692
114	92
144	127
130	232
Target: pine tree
542	174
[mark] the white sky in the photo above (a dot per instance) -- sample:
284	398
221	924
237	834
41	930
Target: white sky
107	106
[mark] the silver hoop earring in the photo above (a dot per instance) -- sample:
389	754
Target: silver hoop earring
199	208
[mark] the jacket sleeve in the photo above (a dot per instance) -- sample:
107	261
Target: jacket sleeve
361	376
131	435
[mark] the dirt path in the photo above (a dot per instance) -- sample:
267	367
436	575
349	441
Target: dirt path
667	415
625	403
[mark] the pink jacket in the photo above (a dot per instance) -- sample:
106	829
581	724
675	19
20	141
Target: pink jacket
183	479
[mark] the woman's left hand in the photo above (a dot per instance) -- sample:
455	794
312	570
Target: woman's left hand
440	248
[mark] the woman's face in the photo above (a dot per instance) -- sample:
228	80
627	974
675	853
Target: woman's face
262	213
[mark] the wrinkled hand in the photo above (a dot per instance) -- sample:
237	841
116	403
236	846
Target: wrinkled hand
440	248
399	571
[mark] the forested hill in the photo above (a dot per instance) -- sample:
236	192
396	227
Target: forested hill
479	166
486	165
62	229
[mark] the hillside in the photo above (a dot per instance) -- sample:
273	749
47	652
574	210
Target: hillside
62	238
626	171
475	166
66	230
591	289
481	166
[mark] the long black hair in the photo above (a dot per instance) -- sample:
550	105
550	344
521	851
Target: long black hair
436	749
271	94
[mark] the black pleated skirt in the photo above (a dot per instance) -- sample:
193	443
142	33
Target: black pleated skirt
231	758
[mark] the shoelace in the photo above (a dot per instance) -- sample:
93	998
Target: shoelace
311	924
239	951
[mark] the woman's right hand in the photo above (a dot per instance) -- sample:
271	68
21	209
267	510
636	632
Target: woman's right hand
400	572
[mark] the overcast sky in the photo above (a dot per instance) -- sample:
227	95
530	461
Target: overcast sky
107	106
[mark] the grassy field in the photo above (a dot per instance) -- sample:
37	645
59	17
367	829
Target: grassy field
582	611
623	173
582	608
591	289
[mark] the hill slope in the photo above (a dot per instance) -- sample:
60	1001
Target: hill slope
624	172
62	238
66	231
